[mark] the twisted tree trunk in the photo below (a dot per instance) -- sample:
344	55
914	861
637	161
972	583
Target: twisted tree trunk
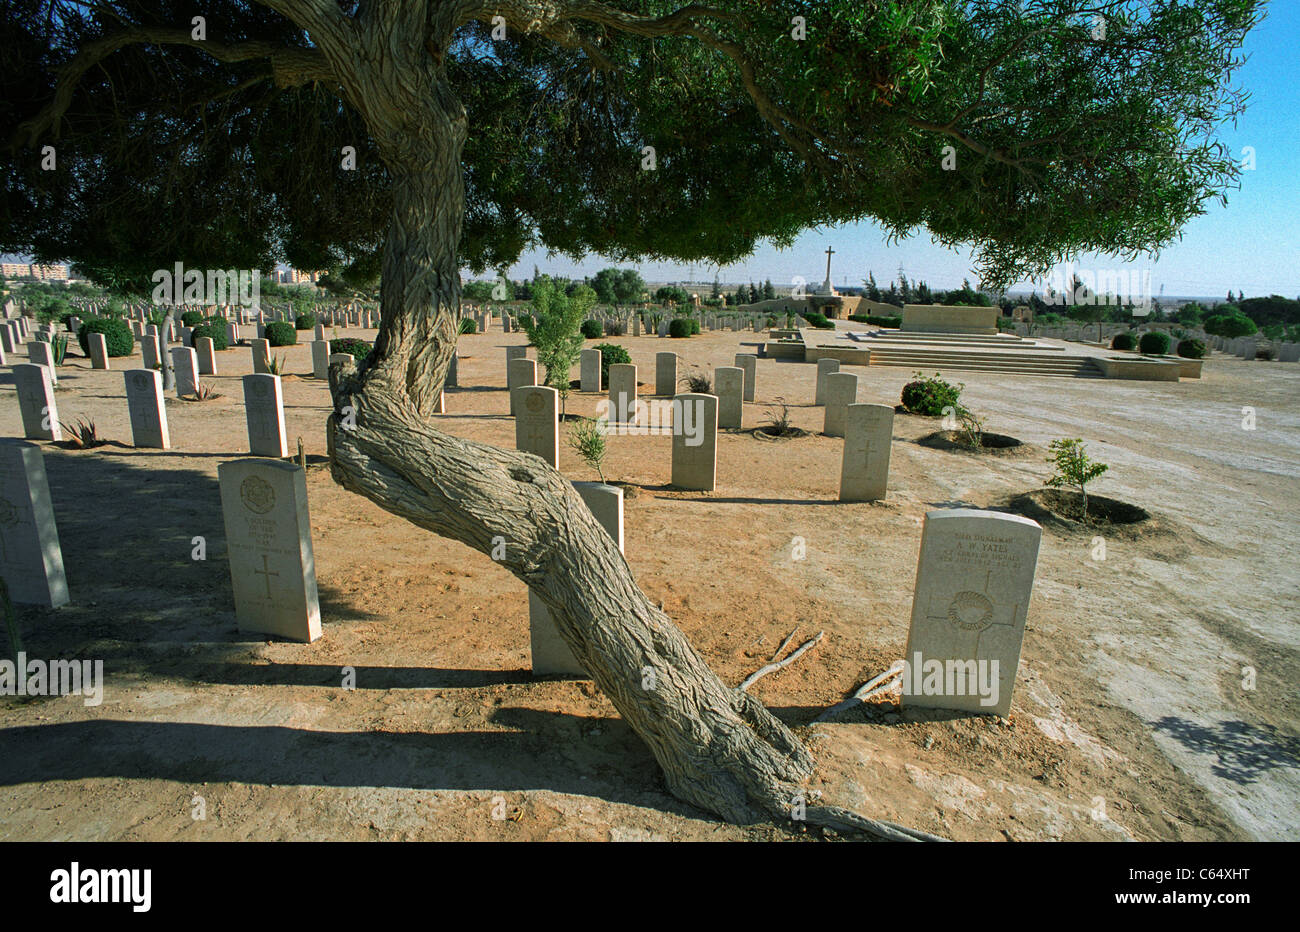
720	749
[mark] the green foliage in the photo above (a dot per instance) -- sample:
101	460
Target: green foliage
1230	326
1191	349
588	439
1154	343
191	318
679	328
59	348
468	325
1123	341
672	295
281	333
618	286
929	397
970	428
215	330
611	354
818	320
555	328
891	322
1073	467
592	329
304	321
117	335
358	349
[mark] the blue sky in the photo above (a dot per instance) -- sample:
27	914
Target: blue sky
1252	244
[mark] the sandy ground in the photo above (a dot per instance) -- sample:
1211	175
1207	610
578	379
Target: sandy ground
1129	720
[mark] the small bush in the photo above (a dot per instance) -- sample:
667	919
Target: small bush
1230	325
611	353
615	328
698	382
592	330
281	333
1191	349
191	318
679	328
304	321
358	349
929	397
1265	352
588	440
1154	343
695	325
468	325
1123	341
818	320
216	332
117	335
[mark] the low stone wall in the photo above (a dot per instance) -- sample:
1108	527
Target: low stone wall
1139	368
847	355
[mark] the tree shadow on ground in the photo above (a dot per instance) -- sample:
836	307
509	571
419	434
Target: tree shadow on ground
1245	752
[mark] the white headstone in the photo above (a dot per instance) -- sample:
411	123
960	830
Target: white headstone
261	355
864	470
749	363
98	350
536	423
186	365
144	403
320	359
825	367
264	410
31	560
521	373
841	391
729	383
268	540
695	442
205	350
622	393
973	581
589	370
42	354
550	654
665	374
36	402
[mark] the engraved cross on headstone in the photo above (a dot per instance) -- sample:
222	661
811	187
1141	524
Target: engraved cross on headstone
265	571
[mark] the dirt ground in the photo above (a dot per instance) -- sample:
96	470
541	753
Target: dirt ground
1130	719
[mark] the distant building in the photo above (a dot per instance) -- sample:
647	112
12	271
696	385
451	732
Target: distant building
296	277
45	273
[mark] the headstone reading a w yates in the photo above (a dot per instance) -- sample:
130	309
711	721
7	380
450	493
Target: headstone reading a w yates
550	655
864	471
264	408
536	424
841	391
186	366
973	581
268	541
36	402
695	442
665	374
589	370
31	560
729	383
144	402
522	373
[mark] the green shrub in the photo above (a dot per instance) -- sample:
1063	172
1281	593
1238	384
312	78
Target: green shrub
304	321
929	397
891	322
1191	349
117	335
818	320
679	328
611	353
358	349
1230	326
191	318
281	333
212	329
1154	343
1123	341
468	325
592	330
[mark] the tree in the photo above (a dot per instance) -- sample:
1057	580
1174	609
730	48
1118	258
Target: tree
1073	467
769	291
873	290
604	285
555	328
1066	145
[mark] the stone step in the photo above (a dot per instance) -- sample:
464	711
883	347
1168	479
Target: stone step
1069	366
